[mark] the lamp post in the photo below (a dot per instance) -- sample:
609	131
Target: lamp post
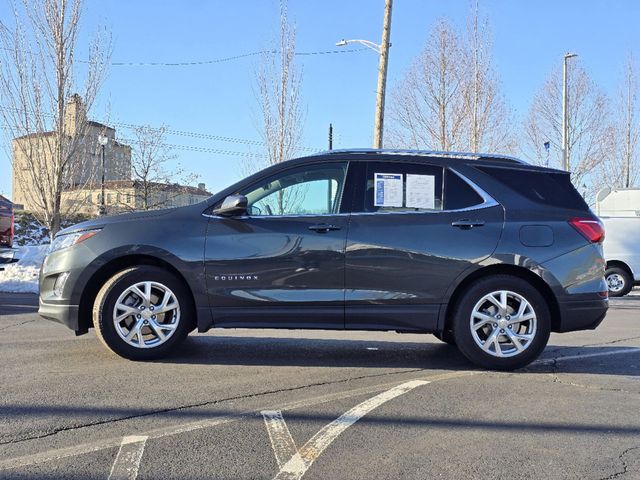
565	102
383	51
102	141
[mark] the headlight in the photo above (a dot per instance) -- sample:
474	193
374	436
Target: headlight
69	239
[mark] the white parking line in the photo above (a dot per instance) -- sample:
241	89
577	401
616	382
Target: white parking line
95	446
282	442
127	462
545	361
296	467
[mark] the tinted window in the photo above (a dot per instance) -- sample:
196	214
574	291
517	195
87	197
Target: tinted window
307	190
458	193
401	187
554	189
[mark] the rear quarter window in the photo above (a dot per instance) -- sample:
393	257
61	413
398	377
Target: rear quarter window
547	188
458	194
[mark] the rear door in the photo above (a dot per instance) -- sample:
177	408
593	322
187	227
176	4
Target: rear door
414	229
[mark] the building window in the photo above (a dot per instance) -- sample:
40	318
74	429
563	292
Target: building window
109	198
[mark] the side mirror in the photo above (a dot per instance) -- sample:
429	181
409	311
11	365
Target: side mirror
231	206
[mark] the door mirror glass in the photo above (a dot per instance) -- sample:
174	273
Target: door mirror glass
231	206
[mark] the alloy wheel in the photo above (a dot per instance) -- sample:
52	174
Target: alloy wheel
503	323
146	314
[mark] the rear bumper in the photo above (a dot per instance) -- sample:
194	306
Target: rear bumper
583	314
65	314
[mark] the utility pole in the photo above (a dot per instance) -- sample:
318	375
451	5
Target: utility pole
382	75
565	101
102	140
330	137
629	127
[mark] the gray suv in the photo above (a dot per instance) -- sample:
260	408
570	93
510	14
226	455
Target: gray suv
486	252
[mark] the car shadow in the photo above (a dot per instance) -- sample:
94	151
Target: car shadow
345	353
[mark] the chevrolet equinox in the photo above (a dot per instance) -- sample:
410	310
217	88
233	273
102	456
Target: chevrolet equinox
488	253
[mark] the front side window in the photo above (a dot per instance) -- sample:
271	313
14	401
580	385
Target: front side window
306	190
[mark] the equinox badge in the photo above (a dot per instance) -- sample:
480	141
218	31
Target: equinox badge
235	277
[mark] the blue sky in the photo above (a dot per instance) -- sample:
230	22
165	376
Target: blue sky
218	99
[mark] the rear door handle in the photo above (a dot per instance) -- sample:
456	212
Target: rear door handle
467	224
324	227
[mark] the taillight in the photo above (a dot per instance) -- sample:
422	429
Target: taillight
590	229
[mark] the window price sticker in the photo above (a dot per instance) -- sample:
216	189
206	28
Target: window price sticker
421	191
388	190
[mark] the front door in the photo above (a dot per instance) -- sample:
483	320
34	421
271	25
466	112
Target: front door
413	231
281	264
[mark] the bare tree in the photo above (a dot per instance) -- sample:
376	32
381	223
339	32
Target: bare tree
622	167
155	184
278	85
48	125
450	99
487	116
427	107
588	116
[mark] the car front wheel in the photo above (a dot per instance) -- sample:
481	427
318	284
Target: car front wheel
142	313
501	322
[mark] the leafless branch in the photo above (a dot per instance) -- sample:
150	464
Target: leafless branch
38	84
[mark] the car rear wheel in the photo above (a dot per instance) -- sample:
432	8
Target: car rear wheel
619	282
142	313
501	322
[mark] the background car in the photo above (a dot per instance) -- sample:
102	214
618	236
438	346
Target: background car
6	223
622	253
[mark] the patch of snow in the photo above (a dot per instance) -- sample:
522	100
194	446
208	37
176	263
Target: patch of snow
22	276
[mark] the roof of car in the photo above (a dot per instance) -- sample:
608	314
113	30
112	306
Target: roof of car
369	152
480	159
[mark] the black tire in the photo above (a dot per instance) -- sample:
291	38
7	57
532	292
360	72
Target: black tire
462	329
446	336
620	275
104	305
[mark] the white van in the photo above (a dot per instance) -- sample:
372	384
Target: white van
622	253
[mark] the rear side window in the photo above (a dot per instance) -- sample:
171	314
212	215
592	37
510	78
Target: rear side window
553	189
402	187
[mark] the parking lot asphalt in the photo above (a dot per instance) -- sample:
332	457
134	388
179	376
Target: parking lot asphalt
315	404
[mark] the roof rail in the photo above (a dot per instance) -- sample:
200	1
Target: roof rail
425	153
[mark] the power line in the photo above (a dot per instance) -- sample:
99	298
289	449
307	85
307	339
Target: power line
210	61
194	148
208	136
226	59
198	135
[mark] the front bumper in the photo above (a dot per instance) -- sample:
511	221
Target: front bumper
65	314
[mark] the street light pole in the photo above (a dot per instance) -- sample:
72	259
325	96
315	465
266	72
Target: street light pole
383	51
102	140
382	75
565	101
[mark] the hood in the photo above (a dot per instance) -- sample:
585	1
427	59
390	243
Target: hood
100	222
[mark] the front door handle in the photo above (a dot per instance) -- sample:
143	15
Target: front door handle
324	227
467	224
